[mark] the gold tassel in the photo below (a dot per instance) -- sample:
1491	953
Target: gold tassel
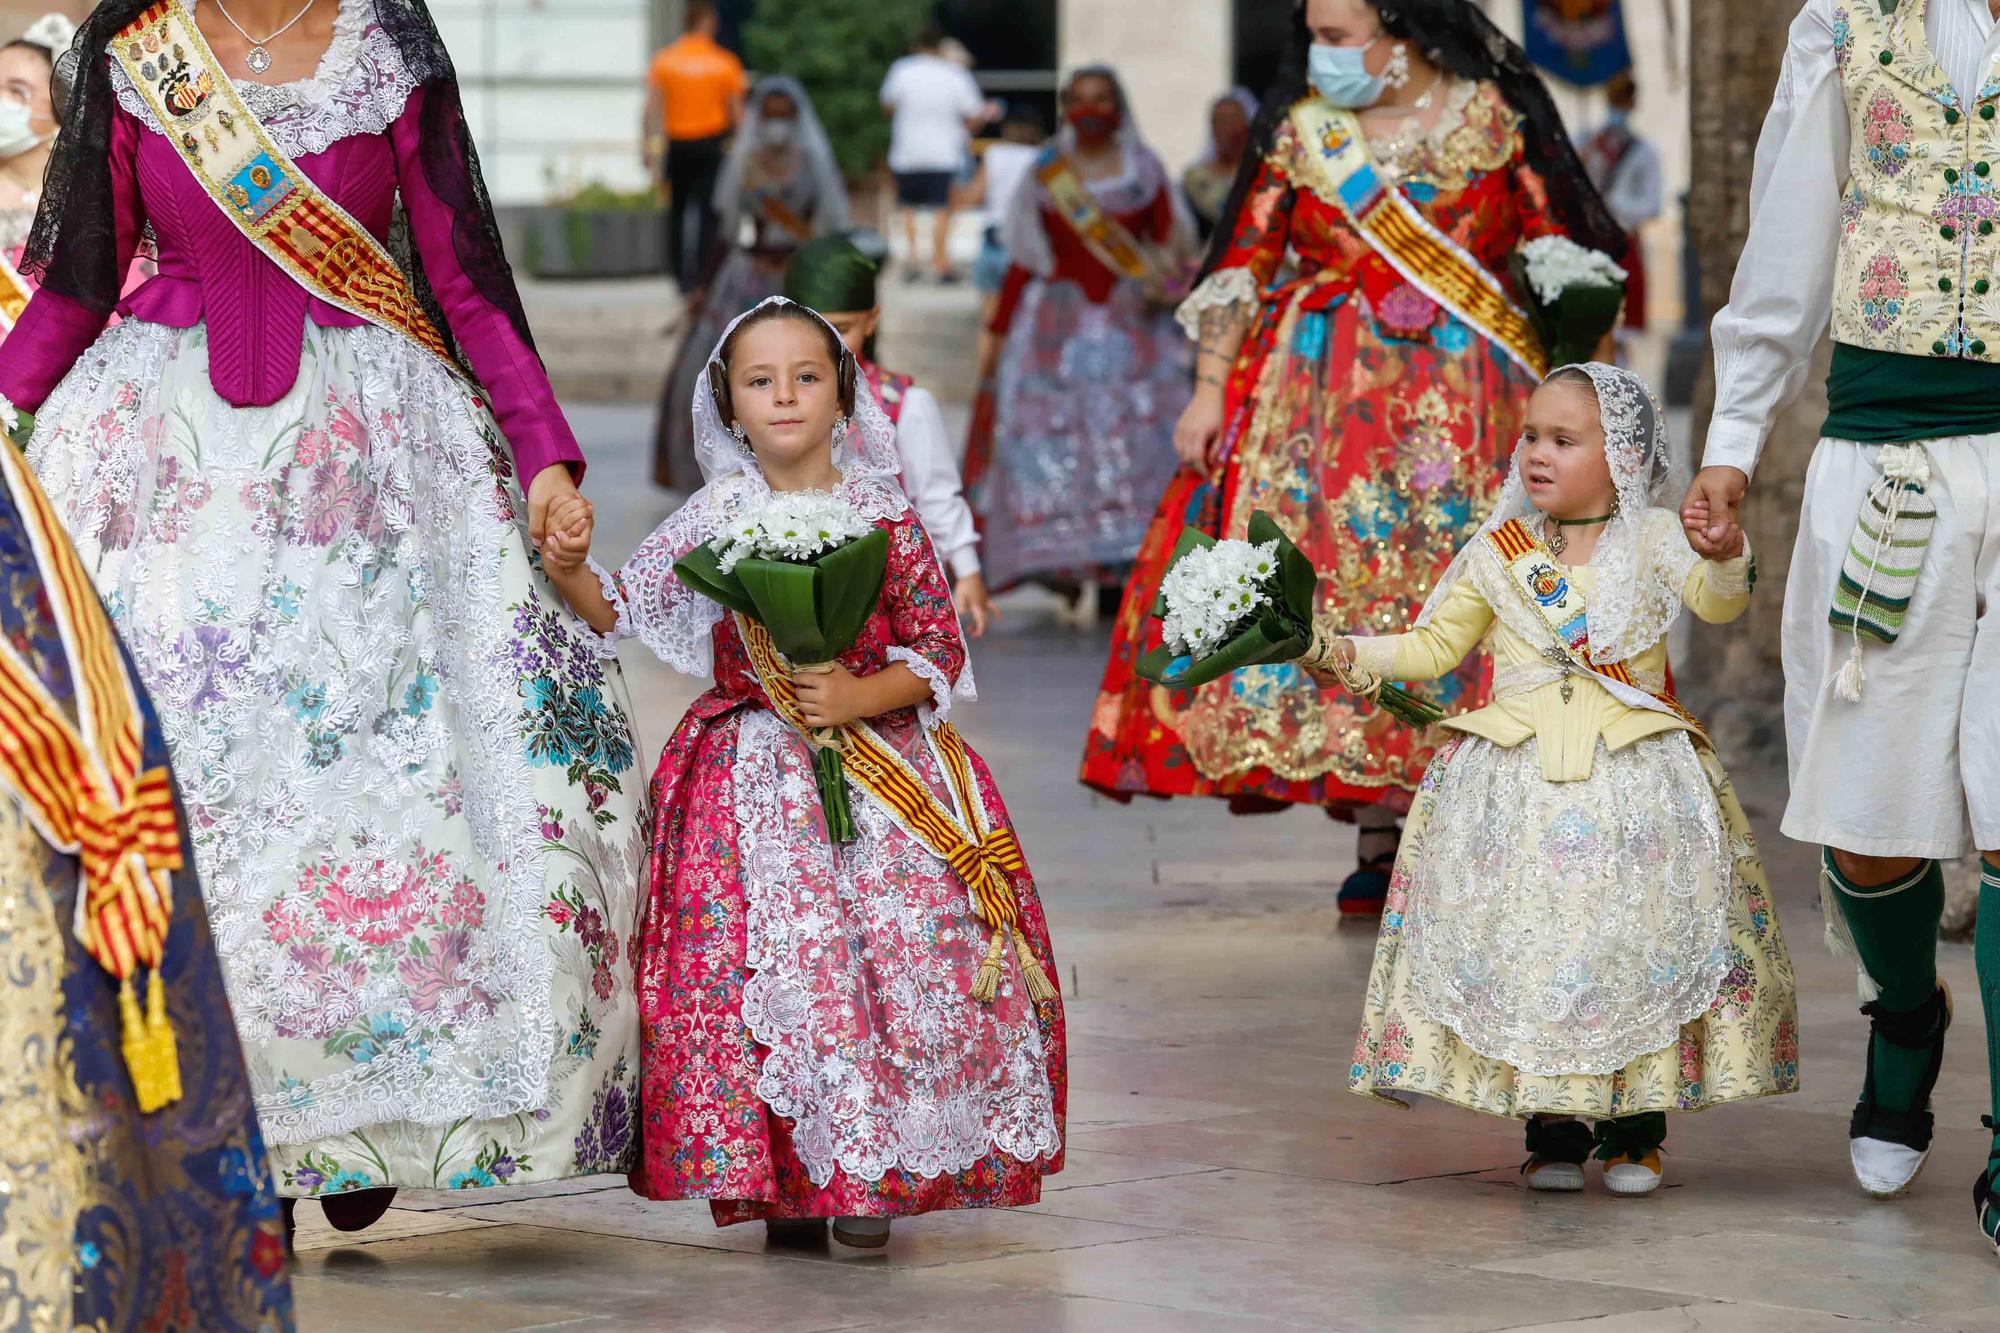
986	984
151	1053
1040	989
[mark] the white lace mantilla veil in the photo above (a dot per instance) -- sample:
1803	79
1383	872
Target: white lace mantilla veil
675	622
1642	558
809	141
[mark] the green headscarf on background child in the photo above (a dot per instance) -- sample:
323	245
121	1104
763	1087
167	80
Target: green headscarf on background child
833	276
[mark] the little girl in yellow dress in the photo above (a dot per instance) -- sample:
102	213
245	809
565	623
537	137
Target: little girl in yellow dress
1578	926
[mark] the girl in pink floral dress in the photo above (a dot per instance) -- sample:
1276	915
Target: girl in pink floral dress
810	1045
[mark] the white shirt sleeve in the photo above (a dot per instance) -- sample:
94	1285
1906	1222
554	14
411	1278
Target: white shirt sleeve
1782	294
892	84
1637	192
931	480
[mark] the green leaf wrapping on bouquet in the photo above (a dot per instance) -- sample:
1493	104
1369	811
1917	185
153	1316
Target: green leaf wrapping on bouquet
815	611
1571	327
1280	633
701	570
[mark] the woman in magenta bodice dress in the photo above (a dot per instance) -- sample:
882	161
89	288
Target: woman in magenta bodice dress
412	801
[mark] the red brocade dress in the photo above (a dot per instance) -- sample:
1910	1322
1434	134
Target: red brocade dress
809	1047
1376	426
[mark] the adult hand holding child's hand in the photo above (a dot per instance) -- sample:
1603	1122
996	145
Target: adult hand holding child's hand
571	521
1709	512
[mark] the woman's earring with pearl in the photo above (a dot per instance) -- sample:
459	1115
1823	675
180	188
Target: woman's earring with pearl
1396	73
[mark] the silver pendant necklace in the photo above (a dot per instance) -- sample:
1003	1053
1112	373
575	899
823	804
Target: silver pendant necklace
259	58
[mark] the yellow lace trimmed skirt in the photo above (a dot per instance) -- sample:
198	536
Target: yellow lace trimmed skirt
1746	1045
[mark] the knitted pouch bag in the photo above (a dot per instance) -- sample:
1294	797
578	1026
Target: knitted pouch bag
1884	558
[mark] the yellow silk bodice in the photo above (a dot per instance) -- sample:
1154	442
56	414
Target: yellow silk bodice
1567	730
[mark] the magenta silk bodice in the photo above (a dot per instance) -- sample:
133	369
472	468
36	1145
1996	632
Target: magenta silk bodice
255	313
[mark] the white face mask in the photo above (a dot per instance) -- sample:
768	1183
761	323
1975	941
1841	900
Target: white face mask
17	135
777	133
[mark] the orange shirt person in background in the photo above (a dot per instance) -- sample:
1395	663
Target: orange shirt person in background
694	98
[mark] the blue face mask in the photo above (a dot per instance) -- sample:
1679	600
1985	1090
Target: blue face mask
1618	119
1338	74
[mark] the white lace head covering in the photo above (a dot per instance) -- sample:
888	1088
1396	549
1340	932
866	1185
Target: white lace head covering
1639	572
53	33
1247	102
864	450
676	623
811	151
1140	179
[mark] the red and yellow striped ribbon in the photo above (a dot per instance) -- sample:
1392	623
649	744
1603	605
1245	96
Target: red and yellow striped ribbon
1470	291
14	294
81	786
1514	540
1103	235
984	858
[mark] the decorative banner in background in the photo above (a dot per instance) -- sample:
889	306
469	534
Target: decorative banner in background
1578	41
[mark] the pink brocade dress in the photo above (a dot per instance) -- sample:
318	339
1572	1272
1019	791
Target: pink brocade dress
809	1047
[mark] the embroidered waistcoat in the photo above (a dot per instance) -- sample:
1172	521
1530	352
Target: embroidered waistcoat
1919	265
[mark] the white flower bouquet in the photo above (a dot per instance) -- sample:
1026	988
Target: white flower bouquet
794	528
809	568
1573	294
1214	593
1226	605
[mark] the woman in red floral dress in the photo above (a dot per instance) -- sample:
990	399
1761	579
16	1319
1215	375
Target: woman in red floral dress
1362	375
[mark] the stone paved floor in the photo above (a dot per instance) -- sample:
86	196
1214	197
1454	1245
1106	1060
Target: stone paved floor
1220	1176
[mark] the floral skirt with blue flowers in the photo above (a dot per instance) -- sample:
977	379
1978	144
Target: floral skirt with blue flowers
1743	1045
1083	433
412	795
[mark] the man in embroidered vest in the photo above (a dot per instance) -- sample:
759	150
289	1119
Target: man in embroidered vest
1877	167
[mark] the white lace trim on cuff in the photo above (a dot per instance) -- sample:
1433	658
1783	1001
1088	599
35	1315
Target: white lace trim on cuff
1374	655
1221	289
932	675
606	644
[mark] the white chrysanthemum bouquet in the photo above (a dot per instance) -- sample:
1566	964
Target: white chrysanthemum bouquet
1214	592
1226	605
793	527
808	567
1574	295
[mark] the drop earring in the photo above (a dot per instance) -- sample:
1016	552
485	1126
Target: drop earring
742	439
1396	74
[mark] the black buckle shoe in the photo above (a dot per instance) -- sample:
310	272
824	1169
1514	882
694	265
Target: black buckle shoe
1921	1028
1983	1193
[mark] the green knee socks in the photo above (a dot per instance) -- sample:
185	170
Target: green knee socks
1895	929
1986	952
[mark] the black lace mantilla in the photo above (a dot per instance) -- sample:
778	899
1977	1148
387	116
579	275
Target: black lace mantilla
73	248
1457	38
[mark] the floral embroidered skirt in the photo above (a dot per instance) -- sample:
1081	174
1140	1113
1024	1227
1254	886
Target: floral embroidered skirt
1380	457
412	793
1746	1045
1083	433
810	1048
